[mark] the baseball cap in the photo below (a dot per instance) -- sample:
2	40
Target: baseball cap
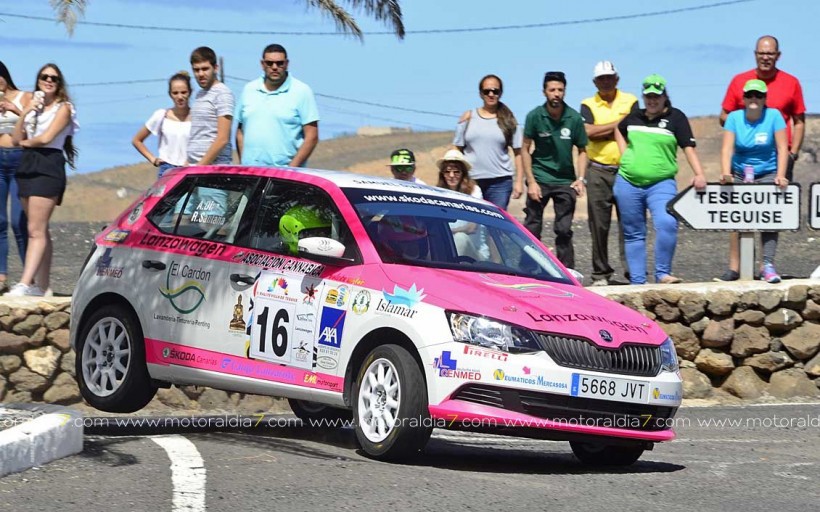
654	84
402	157
756	85
604	68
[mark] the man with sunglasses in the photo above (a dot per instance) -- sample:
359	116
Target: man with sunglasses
784	94
403	166
550	132
277	114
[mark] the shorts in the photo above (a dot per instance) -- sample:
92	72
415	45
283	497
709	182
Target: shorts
42	173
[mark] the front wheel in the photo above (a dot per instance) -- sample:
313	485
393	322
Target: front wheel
110	364
606	455
325	415
390	404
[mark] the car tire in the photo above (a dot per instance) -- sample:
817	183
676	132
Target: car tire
110	364
606	455
325	415
390	384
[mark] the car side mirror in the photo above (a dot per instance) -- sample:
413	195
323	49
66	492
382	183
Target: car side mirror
324	250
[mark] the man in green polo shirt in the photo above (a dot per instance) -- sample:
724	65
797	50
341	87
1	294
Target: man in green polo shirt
552	129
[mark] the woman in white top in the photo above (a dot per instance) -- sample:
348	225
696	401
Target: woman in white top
454	175
45	131
172	126
11	106
485	136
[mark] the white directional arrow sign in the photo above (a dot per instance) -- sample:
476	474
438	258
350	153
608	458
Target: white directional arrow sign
739	207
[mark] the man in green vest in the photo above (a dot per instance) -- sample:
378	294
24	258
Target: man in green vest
550	132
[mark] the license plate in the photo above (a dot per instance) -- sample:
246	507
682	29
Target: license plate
610	388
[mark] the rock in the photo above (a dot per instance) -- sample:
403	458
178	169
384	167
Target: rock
747	300
811	311
214	399
683	363
67	363
718	333
686	343
651	298
38	337
775	344
745	383
692	306
750	340
56	320
648	314
60	339
18	315
5	310
250	404
695	384
812	367
796	296
13	344
769	362
42	360
633	301
782	320
192	392
174	397
712	362
26	380
28	325
46	308
721	303
814	293
666	312
10	364
750	316
2	387
803	342
700	325
669	295
791	383
6	322
768	300
64	390
15	396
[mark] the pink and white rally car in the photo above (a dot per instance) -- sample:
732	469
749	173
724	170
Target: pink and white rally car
412	306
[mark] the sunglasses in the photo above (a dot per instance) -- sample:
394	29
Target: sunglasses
403	169
50	78
277	63
487	92
754	94
656	85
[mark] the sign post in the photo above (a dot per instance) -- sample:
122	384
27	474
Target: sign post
741	208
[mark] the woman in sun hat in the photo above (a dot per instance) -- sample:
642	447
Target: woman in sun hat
454	174
754	138
646	178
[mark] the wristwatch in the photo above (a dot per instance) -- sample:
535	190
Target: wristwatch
582	179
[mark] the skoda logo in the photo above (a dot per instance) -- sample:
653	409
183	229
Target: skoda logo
166	352
605	335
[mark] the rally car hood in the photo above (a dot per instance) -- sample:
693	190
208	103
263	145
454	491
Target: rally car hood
538	305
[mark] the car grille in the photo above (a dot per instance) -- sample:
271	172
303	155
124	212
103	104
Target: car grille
570	409
582	354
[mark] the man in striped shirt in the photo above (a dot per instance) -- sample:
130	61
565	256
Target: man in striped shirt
211	113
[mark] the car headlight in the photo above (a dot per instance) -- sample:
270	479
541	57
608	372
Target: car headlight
489	333
669	359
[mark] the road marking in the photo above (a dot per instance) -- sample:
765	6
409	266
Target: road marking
789	474
187	473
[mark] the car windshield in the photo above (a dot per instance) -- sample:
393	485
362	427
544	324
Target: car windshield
449	233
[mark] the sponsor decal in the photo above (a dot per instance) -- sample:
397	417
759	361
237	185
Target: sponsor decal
448	367
187	297
182	355
205	213
539	288
182	320
580	317
605	336
355	281
237	322
337	296
272	262
537	380
401	301
196	247
116	236
257	369
302	351
276	289
104	267
135	213
657	395
326	362
527	370
494	355
310	294
305	317
361	302
331	327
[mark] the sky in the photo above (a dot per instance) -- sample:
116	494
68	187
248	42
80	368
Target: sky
697	51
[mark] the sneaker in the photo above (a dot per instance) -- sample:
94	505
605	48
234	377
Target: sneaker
24	290
600	282
769	274
670	279
729	275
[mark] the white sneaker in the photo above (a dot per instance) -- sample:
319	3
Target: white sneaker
600	282
24	290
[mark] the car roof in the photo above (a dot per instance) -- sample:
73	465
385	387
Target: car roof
341	179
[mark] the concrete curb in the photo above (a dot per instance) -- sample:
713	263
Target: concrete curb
55	433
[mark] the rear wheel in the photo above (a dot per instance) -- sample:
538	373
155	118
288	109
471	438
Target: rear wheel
312	412
110	364
390	404
606	455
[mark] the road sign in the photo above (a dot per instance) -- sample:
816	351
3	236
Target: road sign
814	206
739	207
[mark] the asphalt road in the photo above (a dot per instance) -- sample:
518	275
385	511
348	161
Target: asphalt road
768	460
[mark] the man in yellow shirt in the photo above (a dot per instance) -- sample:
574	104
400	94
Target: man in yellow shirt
601	114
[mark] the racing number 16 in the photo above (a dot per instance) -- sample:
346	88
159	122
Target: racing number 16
279	331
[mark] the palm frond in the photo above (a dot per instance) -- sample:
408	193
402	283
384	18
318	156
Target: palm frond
343	20
68	11
388	11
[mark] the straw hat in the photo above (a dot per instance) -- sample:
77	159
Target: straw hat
453	155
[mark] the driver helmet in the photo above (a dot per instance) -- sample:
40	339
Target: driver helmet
302	222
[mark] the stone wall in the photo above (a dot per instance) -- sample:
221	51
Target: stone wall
746	339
